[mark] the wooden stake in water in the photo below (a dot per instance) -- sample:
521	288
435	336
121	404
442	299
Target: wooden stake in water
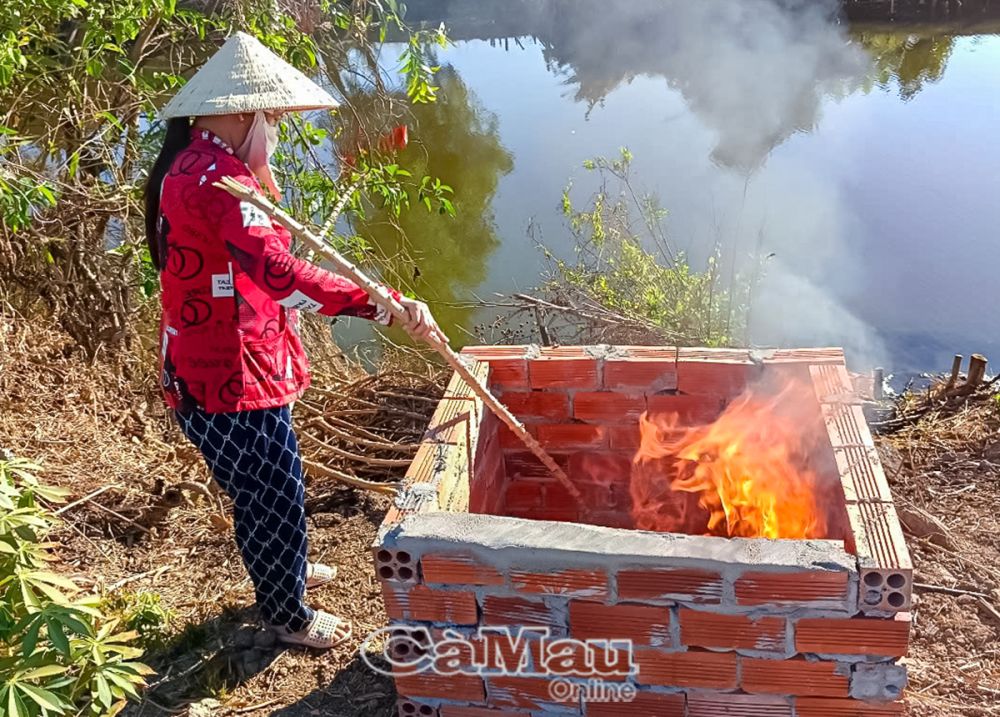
383	298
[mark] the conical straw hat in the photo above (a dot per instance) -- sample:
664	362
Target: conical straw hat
244	76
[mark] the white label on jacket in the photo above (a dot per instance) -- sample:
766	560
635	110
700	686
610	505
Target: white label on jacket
222	284
253	216
298	300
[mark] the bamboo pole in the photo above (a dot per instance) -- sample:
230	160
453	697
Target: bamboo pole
382	297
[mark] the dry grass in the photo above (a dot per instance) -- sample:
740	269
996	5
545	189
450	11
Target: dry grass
948	463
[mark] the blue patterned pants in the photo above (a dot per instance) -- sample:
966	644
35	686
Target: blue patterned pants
254	457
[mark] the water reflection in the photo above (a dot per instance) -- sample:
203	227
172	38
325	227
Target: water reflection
765	126
753	71
907	61
438	257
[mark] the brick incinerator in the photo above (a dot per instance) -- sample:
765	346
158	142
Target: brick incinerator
737	531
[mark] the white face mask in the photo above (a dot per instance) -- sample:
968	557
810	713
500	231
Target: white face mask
257	150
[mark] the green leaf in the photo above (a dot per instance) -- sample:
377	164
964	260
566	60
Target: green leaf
45	671
57	636
103	690
15	708
53	579
46	699
31	638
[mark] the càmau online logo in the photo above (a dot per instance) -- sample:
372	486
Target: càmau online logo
524	651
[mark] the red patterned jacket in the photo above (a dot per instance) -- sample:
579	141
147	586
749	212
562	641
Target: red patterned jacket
231	291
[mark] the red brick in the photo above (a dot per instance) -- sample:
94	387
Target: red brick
656	704
711	378
461	688
556	515
409	708
688	585
714	356
507	653
884	637
709	705
564	352
424	603
624	438
508	373
422	468
711	670
567	658
689	409
602	499
829	707
509	439
523	494
805	588
463	569
794	677
488	352
519	611
569	435
642	624
537	404
559	500
393	515
531	693
463	711
648	374
600	468
523	464
608	407
733	632
579	373
814	355
395	606
581	583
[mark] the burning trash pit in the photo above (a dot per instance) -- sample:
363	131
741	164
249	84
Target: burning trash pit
736	551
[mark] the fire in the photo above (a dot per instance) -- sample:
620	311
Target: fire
744	475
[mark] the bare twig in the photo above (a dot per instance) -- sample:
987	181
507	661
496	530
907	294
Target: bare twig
385	488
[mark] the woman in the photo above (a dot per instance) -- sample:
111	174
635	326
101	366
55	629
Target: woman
232	361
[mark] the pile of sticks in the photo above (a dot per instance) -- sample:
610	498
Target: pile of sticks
945	396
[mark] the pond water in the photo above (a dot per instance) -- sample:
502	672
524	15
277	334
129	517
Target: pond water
864	158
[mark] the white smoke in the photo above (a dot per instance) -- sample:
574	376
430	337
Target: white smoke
755	73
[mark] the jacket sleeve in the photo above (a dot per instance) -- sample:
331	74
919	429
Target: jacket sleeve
261	249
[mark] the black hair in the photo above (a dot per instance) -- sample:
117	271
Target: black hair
177	139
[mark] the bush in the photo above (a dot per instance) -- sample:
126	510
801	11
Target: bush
59	653
144	613
626	282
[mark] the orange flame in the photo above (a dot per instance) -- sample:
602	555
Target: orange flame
744	475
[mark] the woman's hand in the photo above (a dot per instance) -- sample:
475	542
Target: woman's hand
419	323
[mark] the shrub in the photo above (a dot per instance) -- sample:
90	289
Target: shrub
626	281
59	653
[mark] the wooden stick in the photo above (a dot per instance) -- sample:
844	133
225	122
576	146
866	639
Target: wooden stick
924	587
86	498
382	297
386	488
956	369
977	371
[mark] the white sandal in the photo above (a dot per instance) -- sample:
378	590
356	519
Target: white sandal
318	574
321	633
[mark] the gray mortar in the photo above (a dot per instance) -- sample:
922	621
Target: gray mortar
513	542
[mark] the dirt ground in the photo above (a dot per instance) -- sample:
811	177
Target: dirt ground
96	429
